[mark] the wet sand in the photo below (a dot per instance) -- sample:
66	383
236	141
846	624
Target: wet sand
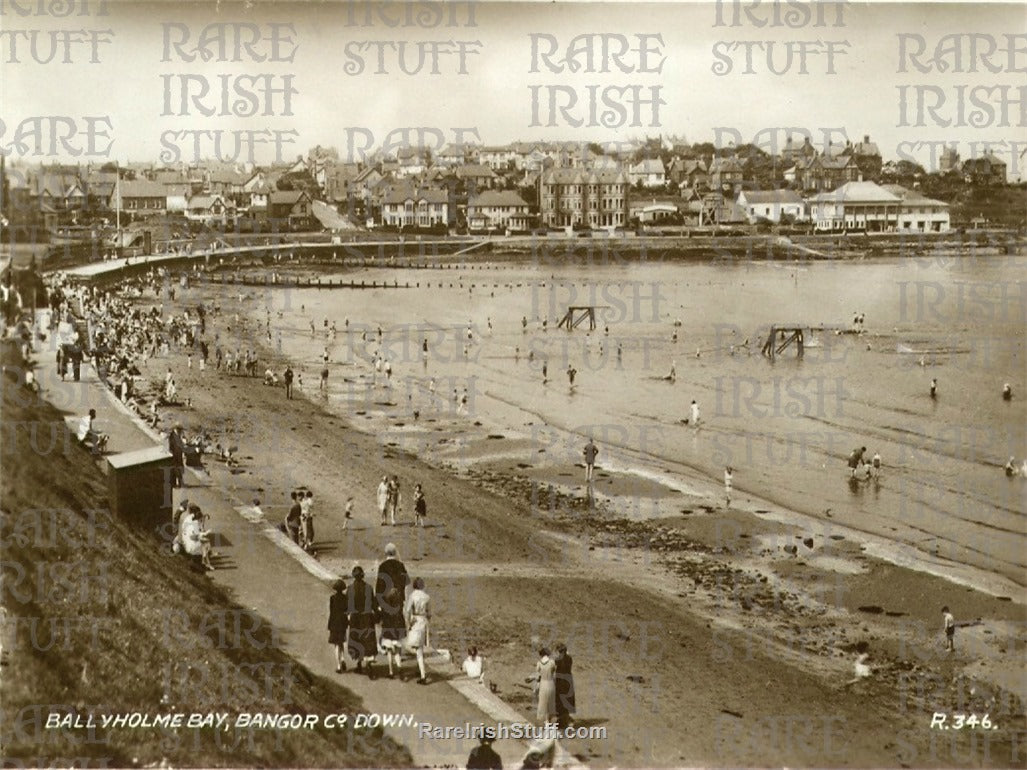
701	636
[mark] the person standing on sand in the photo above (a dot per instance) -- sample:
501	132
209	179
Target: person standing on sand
383	498
324	379
875	464
338	623
420	506
571	374
288	381
949	626
856	460
934	388
293	518
390	593
361	607
418	615
545	673
564	686
348	512
728	479
590	451
307	522
694	416
393	499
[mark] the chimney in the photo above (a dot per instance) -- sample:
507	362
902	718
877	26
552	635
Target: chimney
866	138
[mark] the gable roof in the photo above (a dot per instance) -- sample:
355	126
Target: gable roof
468	170
286	197
912	197
140	188
858	192
497	198
769	196
404	193
648	166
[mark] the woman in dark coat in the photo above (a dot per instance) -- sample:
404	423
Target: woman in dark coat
338	623
361	606
564	686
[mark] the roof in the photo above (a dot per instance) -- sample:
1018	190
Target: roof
286	197
229	176
648	166
404	194
858	192
866	148
913	197
139	457
580	176
770	196
204	201
169	177
987	159
140	188
473	170
720	165
497	198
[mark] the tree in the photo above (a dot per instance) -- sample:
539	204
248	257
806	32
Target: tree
300	181
323	153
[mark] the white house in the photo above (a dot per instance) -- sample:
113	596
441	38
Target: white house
209	209
771	205
919	213
497	209
653	209
856	206
415	208
650	172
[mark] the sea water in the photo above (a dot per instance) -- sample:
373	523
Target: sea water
785	425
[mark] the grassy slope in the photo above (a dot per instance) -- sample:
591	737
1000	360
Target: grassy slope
101	612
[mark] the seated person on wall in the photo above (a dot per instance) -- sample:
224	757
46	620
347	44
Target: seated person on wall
90	438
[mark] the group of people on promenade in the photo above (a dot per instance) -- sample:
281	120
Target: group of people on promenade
299	521
365	621
388	499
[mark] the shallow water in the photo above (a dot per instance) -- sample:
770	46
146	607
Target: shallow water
786	426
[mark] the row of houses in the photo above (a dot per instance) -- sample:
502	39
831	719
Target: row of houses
854	205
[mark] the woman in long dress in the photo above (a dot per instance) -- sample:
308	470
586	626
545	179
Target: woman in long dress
360	606
338	623
418	613
545	671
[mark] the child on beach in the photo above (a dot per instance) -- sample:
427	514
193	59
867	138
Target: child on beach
950	628
347	512
727	486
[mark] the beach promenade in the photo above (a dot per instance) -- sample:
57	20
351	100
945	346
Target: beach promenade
265	572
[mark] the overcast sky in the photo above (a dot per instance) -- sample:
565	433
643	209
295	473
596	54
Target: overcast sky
335	107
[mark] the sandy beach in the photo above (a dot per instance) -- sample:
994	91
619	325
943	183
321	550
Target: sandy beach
700	635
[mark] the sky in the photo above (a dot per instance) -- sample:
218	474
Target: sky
690	57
